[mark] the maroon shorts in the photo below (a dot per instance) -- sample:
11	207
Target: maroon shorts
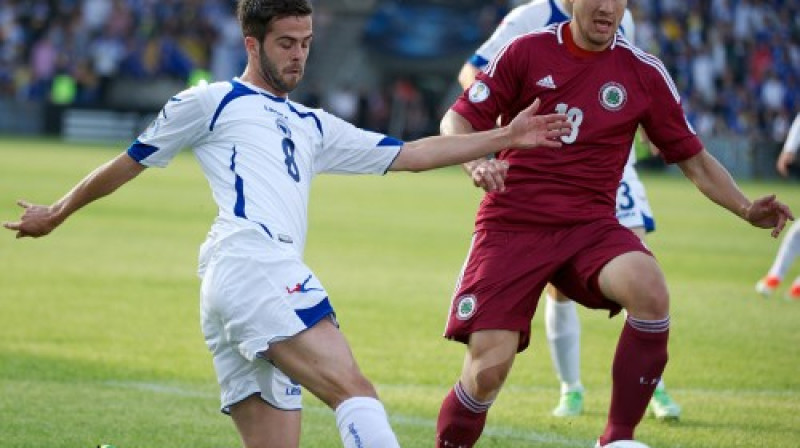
505	273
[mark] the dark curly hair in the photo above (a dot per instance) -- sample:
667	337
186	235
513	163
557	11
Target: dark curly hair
256	16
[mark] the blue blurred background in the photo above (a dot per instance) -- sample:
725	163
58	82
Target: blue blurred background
97	70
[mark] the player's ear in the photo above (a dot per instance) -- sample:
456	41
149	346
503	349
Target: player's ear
252	45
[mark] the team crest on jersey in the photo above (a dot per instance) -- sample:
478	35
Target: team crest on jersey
466	307
478	92
613	96
283	126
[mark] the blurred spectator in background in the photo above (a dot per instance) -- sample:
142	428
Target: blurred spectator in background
736	62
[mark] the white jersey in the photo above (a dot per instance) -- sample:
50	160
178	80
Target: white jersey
259	153
528	17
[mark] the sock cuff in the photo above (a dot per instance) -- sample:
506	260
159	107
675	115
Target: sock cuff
649	326
360	403
470	403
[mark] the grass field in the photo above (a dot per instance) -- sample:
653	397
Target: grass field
100	340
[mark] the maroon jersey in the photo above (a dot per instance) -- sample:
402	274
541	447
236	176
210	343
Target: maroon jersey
606	95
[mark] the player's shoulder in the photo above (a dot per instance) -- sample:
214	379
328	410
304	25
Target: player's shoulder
648	66
535	14
203	92
538	36
640	59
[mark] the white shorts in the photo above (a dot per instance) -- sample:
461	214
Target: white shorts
255	291
633	209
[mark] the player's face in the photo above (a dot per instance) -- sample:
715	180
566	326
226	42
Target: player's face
595	22
283	53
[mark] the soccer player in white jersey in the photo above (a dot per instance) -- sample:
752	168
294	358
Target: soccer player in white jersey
633	211
266	318
790	246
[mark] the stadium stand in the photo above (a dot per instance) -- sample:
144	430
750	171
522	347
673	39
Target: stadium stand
736	62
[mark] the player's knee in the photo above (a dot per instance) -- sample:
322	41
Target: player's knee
488	381
650	302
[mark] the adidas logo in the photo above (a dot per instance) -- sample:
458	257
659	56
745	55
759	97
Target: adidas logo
546	82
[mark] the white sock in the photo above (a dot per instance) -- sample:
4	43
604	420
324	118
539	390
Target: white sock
563	335
363	423
787	252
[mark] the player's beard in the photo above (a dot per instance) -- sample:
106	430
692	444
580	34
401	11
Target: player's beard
272	75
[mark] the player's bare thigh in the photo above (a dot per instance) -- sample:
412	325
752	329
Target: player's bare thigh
559	296
263	426
635	281
320	359
488	360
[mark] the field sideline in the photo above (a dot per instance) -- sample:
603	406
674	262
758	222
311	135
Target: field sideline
100	340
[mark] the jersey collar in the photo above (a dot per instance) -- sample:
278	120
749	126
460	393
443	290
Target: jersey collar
565	38
264	92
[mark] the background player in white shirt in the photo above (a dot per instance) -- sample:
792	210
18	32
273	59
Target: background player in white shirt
266	318
633	211
790	246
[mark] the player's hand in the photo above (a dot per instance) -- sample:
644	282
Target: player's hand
768	212
784	160
36	221
489	174
529	130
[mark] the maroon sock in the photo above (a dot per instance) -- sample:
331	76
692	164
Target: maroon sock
638	364
461	420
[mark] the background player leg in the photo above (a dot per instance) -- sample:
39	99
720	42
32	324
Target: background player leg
787	253
320	359
563	330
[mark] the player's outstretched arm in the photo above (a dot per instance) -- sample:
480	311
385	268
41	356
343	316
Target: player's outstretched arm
527	130
40	220
714	181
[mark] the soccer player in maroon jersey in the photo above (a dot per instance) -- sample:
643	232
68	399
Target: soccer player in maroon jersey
555	221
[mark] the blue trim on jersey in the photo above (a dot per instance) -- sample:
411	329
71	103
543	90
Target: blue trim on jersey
478	61
390	141
238	207
266	229
238	185
238	90
649	223
306	115
280	99
316	313
140	151
556	16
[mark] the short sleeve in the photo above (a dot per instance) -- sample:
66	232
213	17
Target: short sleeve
513	25
181	123
665	121
347	149
494	89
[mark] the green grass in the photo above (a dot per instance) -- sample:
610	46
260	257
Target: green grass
100	340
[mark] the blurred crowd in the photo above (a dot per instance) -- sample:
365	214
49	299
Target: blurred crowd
73	48
736	62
